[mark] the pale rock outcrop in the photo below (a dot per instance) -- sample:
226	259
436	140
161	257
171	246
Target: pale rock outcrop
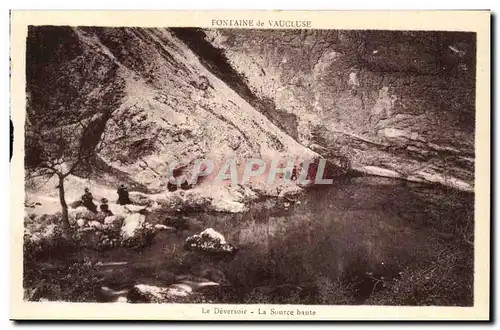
131	223
146	293
230	206
214	235
81	222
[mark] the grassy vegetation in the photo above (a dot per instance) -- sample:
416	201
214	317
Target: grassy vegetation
75	282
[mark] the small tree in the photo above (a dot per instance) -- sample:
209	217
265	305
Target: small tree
63	150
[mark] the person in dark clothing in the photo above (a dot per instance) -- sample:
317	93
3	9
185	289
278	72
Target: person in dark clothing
88	201
123	198
171	187
185	185
104	207
295	173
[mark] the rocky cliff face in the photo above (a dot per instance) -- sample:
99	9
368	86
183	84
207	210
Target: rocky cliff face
164	105
396	105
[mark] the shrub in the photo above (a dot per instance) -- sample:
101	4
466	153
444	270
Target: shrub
75	283
103	239
53	242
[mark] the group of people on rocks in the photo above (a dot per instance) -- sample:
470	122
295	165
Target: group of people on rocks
88	200
123	195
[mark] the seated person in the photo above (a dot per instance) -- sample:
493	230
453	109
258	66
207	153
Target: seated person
104	207
88	201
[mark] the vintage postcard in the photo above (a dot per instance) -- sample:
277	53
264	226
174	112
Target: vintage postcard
250	165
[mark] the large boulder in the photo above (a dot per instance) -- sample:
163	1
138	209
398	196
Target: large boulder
117	209
209	241
131	223
210	233
81	223
224	205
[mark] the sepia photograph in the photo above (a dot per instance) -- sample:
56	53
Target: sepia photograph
249	163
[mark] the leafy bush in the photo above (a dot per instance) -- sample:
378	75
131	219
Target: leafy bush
38	245
75	283
97	239
334	292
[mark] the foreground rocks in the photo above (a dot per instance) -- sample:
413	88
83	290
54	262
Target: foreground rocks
185	288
